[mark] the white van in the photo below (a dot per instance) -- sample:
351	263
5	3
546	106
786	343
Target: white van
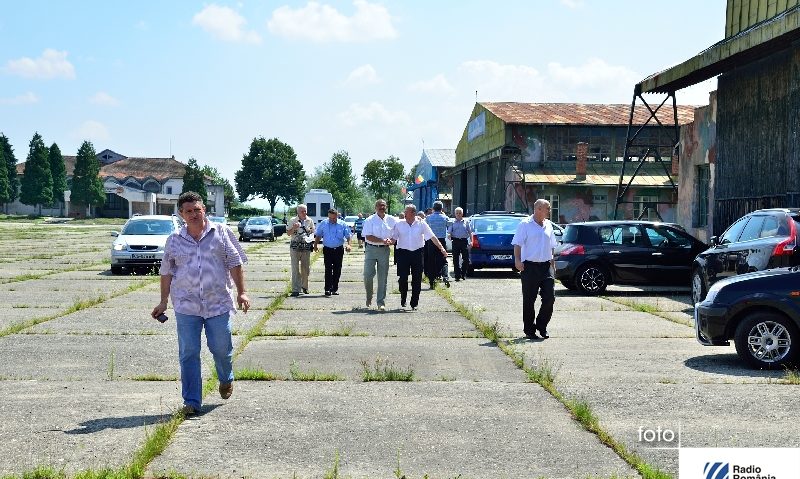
318	202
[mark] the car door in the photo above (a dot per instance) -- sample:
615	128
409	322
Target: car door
627	252
722	258
671	256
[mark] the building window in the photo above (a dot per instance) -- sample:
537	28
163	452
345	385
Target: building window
599	199
648	203
702	182
553	199
169	190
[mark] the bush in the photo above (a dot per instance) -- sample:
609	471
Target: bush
235	213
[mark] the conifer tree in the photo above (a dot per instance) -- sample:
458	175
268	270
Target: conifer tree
37	182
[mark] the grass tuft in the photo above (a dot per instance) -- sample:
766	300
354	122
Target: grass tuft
383	370
248	374
313	375
155	377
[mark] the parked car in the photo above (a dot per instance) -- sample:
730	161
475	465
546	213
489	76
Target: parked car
258	227
141	241
759	311
594	254
218	219
492	232
278	227
760	240
351	222
240	227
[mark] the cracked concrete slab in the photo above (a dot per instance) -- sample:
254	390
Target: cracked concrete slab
440	429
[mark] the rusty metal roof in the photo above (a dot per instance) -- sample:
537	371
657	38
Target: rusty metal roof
582	114
140	168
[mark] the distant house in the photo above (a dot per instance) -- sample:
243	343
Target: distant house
512	154
429	185
132	185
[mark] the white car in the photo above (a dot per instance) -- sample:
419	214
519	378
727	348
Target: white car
350	221
141	242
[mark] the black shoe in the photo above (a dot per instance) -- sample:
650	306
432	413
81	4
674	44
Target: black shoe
531	336
335	293
327	293
305	290
458	279
294	294
402	304
543	334
447	283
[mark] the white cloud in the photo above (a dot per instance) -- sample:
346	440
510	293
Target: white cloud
93	131
363	75
52	64
594	81
572	4
323	23
373	113
141	25
696	94
225	24
24	99
104	99
437	84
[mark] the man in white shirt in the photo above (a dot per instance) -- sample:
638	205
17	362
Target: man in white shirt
377	233
533	243
410	236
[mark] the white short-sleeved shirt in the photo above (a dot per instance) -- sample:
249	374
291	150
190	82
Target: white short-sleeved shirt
411	237
536	242
375	226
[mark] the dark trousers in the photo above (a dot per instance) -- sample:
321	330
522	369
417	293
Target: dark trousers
409	262
333	267
537	278
460	250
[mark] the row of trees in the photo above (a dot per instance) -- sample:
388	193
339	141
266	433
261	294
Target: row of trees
45	178
270	170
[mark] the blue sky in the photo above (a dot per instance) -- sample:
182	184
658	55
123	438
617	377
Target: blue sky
373	78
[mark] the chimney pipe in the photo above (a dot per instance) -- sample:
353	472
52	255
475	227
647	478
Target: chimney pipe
580	165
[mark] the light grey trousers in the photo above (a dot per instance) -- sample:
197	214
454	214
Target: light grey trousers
376	258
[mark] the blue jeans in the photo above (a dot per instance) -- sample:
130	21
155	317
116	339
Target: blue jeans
220	343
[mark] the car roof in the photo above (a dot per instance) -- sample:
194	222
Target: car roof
499	213
776	210
623	222
151	217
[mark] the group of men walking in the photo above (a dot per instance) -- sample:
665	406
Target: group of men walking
203	263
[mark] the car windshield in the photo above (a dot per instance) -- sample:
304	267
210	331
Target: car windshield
217	219
350	219
148	227
506	225
259	221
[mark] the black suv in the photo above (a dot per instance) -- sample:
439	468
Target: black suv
761	240
594	254
760	311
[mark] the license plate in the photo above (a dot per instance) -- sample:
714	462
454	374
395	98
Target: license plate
142	256
499	257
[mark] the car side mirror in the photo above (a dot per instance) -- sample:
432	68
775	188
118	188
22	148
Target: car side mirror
114	234
714	241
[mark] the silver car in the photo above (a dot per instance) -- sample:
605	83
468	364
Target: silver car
141	242
258	227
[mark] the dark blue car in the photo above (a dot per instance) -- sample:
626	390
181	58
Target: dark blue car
492	232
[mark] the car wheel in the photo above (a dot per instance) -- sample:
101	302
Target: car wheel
591	279
698	287
766	340
272	237
116	270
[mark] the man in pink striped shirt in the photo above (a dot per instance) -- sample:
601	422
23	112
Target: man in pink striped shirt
202	262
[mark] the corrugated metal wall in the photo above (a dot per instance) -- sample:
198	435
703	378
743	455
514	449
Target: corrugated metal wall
743	14
757	121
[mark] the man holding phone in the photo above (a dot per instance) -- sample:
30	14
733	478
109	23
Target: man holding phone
202	262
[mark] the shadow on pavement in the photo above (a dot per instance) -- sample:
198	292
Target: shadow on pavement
730	365
101	424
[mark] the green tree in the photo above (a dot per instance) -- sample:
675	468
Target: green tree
37	182
384	178
195	180
270	170
10	166
59	173
87	187
5	193
337	177
230	194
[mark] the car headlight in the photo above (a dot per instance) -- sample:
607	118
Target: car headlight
119	246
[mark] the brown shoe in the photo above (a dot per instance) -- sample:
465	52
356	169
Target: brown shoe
188	410
225	390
